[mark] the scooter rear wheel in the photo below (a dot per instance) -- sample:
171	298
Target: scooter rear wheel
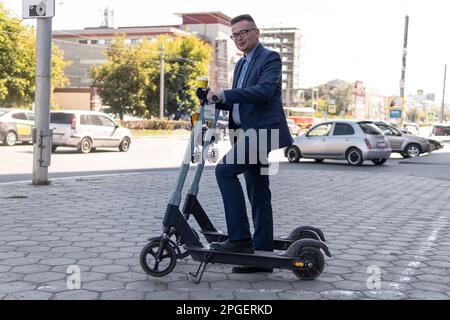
149	261
314	262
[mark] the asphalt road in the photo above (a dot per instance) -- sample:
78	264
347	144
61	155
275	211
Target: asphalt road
155	154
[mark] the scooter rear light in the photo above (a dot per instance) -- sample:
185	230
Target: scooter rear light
74	121
369	146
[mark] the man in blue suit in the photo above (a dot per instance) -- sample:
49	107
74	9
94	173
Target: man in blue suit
255	106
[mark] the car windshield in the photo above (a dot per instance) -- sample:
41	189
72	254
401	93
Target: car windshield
370	128
2	112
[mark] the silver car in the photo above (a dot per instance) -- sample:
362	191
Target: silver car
354	141
408	145
87	130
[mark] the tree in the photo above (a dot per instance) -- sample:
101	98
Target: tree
122	80
130	79
18	62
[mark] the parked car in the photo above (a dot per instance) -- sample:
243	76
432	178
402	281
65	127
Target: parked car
441	132
294	128
435	145
407	145
354	141
87	130
16	126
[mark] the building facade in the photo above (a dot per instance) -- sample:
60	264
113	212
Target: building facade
288	43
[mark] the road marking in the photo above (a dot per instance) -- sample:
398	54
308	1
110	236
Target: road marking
413	265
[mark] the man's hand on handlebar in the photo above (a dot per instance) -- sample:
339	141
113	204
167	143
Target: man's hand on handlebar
214	96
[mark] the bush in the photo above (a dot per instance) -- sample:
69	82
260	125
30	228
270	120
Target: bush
155	124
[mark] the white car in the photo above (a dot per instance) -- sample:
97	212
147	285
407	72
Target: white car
87	130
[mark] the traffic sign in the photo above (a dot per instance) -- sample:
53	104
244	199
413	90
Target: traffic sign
36	9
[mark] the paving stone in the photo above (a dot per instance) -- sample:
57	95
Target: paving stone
274	285
212	295
342	295
102	285
167	295
42	277
426	295
385	294
299	295
122	295
230	285
28	295
19	261
429	286
9	277
312	286
76	295
16	286
110	269
58	261
146	286
256	295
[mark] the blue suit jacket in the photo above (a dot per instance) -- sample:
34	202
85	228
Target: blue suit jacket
260	97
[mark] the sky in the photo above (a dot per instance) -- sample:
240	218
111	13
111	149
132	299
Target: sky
343	39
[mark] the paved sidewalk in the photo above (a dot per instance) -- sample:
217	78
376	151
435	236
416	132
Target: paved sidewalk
396	224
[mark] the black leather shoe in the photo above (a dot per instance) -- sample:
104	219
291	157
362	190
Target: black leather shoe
245	246
245	269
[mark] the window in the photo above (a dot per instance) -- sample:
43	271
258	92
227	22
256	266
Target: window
61	118
94	41
388	131
83	41
19	116
107	122
343	129
369	128
30	116
321	130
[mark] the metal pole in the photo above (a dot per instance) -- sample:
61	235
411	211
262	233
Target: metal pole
42	142
402	81
161	84
443	97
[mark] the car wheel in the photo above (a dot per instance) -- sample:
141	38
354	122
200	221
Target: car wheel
379	162
10	139
85	145
125	145
354	157
293	154
412	150
319	160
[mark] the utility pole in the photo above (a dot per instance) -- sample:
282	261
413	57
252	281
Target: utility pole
161	84
402	81
43	11
442	118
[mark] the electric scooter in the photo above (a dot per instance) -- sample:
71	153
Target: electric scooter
302	248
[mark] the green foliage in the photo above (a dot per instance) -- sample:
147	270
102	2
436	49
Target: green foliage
155	124
18	62
130	79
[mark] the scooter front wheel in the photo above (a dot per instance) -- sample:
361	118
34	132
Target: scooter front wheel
158	267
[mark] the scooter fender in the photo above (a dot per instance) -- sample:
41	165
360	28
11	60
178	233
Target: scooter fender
295	234
295	248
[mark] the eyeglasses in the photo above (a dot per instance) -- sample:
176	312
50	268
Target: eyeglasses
241	34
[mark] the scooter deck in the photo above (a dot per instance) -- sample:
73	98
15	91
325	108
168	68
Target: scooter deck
279	243
262	259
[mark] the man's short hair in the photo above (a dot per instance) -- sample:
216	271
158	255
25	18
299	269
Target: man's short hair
242	17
